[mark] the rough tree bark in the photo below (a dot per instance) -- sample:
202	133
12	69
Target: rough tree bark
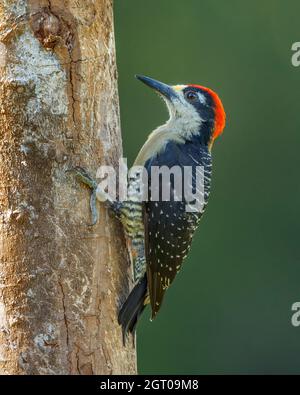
61	281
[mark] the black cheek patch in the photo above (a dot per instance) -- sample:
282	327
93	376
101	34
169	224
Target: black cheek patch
206	113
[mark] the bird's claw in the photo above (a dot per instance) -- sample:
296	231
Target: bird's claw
86	179
83	176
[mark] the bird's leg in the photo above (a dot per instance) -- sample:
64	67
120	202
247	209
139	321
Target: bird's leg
97	193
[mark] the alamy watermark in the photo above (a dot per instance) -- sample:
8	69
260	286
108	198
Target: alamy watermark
164	183
295	59
295	320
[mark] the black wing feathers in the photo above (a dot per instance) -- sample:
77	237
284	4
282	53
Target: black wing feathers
169	228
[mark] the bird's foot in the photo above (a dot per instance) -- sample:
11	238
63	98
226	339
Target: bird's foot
86	179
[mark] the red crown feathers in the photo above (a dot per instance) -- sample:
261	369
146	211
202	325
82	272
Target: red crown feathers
220	115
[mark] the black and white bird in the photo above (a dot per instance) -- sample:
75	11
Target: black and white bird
160	231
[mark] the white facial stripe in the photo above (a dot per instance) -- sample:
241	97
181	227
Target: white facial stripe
184	118
201	98
180	88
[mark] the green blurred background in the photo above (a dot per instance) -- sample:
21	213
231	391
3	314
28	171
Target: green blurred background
229	310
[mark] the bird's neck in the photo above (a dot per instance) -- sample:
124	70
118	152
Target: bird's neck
203	135
179	132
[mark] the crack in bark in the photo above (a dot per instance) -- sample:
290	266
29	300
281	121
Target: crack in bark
72	89
77	361
66	322
107	360
71	63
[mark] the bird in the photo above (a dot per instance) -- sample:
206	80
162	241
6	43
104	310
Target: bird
159	230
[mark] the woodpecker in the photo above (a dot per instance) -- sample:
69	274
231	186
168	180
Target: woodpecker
160	231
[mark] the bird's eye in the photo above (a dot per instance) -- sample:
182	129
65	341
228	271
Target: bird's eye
191	96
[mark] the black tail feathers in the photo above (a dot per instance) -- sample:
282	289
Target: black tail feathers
133	307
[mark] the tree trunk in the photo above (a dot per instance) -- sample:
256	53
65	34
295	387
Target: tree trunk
61	281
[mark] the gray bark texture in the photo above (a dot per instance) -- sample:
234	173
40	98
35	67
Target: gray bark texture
61	281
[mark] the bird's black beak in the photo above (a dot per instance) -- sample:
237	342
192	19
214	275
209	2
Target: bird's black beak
164	89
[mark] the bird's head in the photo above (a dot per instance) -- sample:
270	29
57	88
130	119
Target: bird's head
194	110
